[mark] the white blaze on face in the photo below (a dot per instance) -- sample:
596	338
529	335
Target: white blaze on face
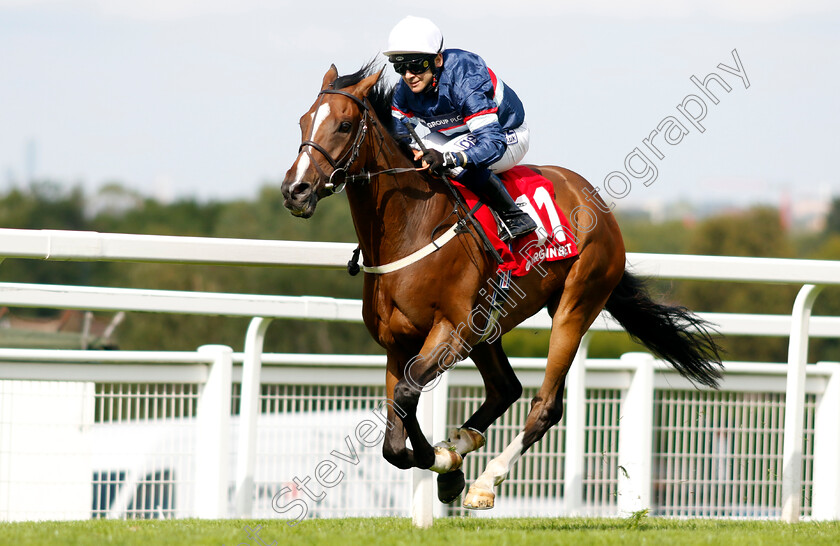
318	118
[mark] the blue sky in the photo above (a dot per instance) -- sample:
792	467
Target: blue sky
186	98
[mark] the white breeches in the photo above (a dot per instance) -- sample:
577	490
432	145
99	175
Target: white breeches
517	146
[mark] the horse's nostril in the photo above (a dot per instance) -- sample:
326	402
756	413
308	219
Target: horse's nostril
301	188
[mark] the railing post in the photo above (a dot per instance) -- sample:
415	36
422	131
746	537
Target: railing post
212	459
635	437
575	421
795	403
432	412
423	481
825	498
249	398
440	401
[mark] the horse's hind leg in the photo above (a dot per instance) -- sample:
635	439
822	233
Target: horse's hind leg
502	390
567	329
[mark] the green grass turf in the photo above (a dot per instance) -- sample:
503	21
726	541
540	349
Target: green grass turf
399	531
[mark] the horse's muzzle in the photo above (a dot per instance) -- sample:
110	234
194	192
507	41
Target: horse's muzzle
300	199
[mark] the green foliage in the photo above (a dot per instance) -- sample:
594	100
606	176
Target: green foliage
612	345
640	235
757	232
44	205
828	302
526	343
832	221
637	518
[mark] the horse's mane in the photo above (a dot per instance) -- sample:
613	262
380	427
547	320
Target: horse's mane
380	96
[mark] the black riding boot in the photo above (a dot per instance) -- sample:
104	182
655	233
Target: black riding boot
516	222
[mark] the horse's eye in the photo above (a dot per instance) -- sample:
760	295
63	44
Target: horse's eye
345	127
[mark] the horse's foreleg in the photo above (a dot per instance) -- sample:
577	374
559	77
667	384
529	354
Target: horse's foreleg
501	385
502	389
440	351
393	448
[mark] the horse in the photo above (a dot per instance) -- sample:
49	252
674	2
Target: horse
421	300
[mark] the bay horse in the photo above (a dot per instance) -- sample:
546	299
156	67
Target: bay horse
419	302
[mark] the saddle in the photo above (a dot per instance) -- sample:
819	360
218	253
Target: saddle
534	194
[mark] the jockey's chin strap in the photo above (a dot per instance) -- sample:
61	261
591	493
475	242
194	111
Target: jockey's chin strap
339	177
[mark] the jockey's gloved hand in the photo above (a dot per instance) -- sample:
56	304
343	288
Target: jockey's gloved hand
438	162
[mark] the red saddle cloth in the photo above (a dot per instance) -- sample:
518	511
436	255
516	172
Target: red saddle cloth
535	195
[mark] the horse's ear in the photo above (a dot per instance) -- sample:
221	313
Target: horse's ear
363	87
329	77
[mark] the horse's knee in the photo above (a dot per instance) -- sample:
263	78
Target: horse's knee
399	457
394	450
406	396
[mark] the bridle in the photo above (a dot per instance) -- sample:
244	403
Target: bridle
338	178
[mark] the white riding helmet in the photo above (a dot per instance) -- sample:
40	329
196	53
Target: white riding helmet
415	35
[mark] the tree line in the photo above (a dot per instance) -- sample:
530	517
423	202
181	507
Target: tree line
117	209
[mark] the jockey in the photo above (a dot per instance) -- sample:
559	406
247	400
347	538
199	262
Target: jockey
471	123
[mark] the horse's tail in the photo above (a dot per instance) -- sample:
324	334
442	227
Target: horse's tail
672	333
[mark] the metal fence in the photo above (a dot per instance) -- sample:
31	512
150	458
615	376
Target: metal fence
720	454
124	440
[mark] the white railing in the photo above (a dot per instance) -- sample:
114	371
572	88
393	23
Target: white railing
52	447
633	398
47	244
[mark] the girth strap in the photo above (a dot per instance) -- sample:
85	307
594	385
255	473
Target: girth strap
414	256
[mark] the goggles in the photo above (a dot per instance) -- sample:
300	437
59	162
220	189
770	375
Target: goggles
415	66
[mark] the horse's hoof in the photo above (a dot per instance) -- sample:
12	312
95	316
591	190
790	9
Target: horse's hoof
446	460
466	440
450	486
479	499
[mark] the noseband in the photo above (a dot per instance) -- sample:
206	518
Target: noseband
338	178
